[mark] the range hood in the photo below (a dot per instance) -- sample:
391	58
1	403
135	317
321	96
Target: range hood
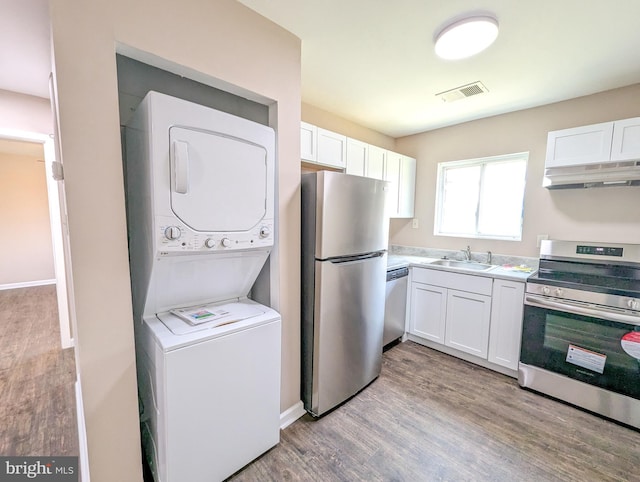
606	174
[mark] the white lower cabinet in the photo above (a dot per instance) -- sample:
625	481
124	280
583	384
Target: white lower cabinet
506	323
477	315
467	326
427	311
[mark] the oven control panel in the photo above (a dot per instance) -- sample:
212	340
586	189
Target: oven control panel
599	250
558	296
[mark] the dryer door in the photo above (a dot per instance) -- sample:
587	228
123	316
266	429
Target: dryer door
218	183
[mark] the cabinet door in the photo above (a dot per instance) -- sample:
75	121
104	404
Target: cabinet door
308	142
428	307
506	323
357	153
332	148
376	163
626	140
392	175
467	325
580	145
406	187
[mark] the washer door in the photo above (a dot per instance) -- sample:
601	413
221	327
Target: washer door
218	183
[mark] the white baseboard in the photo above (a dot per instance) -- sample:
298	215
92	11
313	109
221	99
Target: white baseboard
291	414
82	436
27	284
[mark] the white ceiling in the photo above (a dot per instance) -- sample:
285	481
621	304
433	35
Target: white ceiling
372	61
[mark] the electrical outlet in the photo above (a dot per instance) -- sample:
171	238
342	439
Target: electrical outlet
414	223
540	238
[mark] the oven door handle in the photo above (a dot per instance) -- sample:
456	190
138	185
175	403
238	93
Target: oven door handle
569	307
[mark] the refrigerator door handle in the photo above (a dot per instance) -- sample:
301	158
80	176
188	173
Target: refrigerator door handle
357	257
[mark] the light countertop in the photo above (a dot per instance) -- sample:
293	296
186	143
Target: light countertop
508	272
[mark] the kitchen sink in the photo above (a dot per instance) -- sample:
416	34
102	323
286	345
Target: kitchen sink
466	265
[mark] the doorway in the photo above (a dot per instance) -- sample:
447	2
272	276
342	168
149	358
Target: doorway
37	366
42	256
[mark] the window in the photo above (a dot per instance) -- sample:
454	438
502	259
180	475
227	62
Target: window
481	198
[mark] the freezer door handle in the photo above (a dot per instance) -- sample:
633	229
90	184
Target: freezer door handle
357	257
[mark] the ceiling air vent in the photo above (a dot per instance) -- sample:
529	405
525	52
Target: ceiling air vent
462	92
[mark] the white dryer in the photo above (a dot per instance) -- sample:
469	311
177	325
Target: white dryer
200	213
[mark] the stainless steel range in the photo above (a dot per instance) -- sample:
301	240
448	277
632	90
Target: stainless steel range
581	329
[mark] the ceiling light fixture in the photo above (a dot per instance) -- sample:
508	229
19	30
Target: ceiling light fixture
466	36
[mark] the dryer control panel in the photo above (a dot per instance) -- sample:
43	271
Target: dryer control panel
173	236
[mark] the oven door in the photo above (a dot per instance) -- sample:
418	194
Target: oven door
581	343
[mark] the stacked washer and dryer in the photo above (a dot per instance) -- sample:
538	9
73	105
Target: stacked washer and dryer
200	213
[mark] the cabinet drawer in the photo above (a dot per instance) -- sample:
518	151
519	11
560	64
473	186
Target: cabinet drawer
457	281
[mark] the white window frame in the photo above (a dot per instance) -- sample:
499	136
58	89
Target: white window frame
482	161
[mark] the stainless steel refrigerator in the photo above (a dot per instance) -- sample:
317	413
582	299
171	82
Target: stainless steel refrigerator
344	265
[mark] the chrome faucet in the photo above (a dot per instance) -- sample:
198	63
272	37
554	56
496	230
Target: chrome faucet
467	253
488	257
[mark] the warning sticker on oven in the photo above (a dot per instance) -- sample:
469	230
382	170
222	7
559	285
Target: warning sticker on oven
631	344
586	358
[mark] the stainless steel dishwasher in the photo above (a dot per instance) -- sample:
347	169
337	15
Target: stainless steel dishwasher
395	304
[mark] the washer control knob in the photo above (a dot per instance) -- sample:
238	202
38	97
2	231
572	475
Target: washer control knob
633	304
209	243
559	292
265	231
226	242
545	290
172	232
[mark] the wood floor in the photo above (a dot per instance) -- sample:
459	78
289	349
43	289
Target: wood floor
433	417
37	401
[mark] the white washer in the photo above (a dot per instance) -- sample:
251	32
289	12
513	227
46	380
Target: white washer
200	213
211	395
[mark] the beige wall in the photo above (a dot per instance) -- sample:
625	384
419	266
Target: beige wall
606	214
327	120
221	40
27	253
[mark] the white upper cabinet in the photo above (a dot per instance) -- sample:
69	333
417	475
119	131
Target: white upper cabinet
365	160
401	174
361	159
579	145
375	163
594	144
392	174
308	142
357	155
626	140
407	189
332	148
